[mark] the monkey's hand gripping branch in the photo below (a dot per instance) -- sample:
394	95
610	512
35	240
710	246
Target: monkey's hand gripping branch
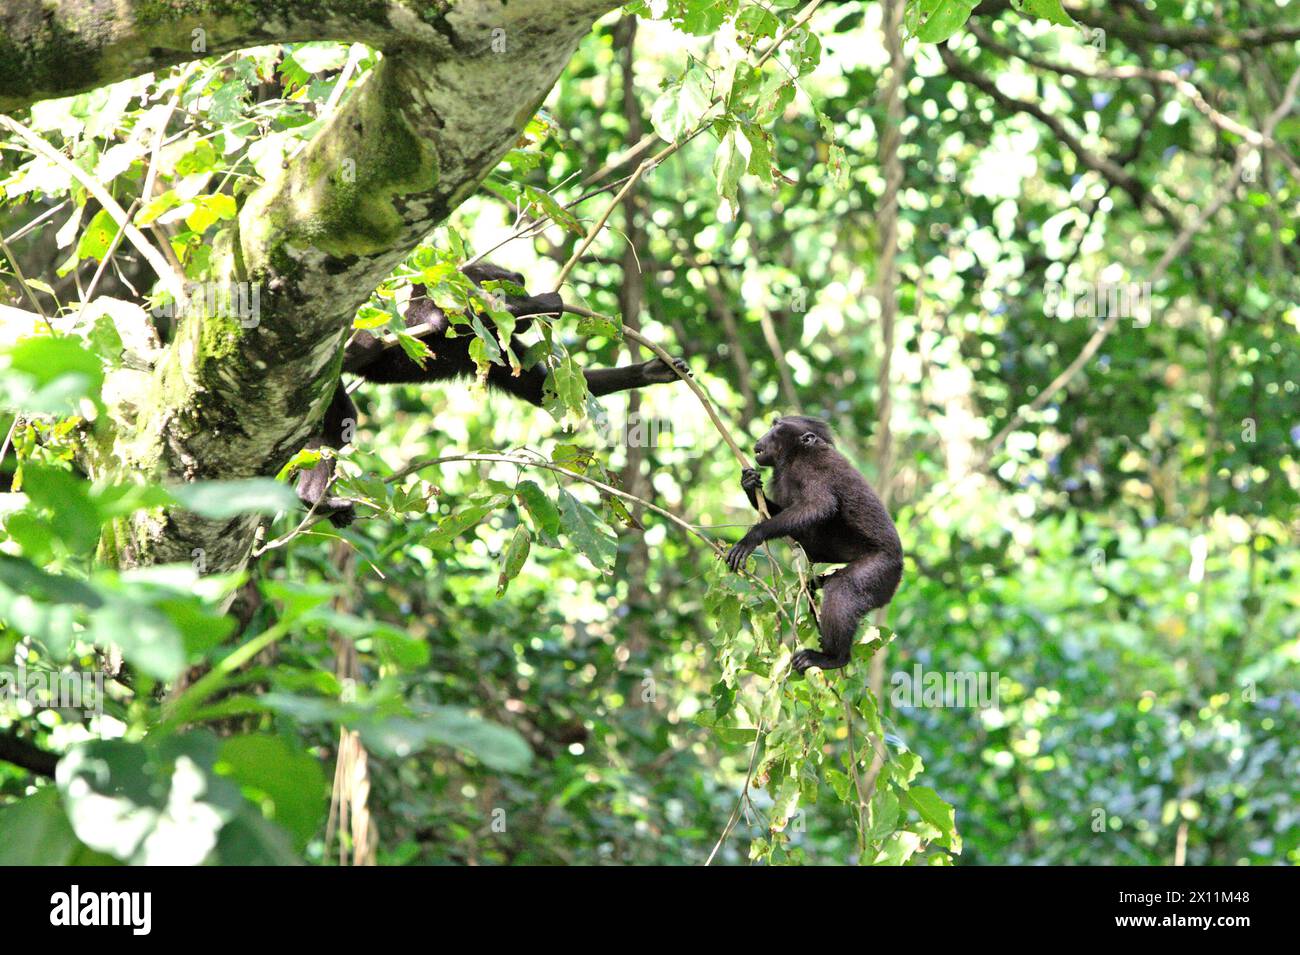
760	502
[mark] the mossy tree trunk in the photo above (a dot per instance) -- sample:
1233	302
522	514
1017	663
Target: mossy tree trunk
233	398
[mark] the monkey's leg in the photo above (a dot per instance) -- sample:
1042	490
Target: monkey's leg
313	485
848	595
530	383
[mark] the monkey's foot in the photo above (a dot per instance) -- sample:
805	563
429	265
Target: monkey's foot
656	371
805	659
338	509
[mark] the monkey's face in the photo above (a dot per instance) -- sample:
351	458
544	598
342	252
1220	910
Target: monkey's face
789	434
768	449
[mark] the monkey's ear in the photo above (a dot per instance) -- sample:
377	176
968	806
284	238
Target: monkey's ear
808	439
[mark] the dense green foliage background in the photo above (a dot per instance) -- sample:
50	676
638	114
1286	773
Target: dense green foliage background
1121	564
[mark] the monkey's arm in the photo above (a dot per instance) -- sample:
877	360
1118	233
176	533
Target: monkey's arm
314	484
815	506
530	384
606	381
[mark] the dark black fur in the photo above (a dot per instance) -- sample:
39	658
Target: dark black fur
376	361
817	497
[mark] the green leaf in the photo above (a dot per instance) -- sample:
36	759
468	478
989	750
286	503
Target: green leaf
201	158
461	520
805	51
885	811
587	533
97	237
898	848
592	326
933	21
512	561
298	599
729	163
220	500
23	578
305	459
840	783
496	746
321	56
415	348
556	212
735	734
151	803
148	639
51	374
285	782
1050	10
933	810
544	513
704	17
36	831
210	209
760	152
74	516
400	647
754	23
682	107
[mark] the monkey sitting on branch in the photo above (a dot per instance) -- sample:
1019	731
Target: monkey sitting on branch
818	498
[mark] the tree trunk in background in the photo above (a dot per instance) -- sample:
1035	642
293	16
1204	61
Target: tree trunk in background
631	295
887	295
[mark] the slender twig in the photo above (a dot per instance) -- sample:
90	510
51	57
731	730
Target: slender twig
622	159
146	190
1172	253
169	278
705	121
538	462
89	292
9	436
53	210
744	793
22	283
1129	72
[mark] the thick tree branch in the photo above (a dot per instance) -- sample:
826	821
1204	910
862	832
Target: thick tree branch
51	48
27	755
1135	31
239	393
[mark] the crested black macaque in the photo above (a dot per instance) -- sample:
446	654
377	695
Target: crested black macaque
817	497
387	363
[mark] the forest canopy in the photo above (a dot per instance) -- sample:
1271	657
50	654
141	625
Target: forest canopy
1033	262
